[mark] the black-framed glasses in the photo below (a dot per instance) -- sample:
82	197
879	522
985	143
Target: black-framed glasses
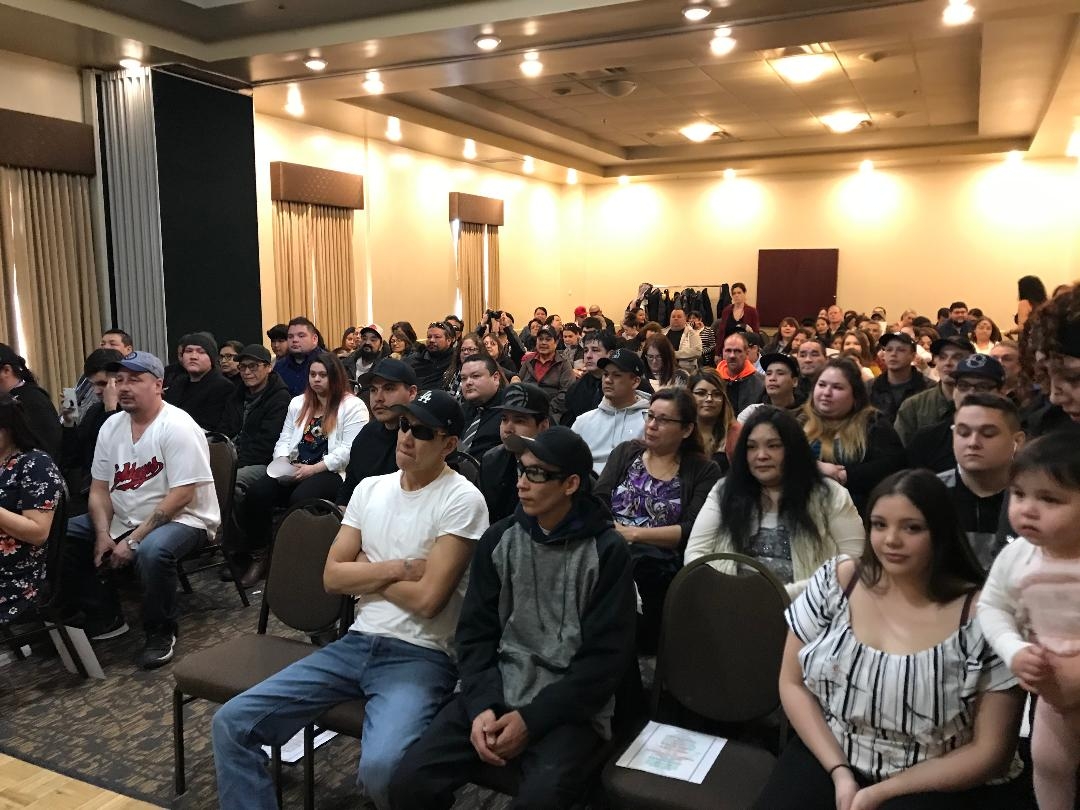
446	327
966	386
250	366
421	432
648	416
538	475
703	394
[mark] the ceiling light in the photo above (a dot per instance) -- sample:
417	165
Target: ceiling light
958	12
701	131
1014	157
528	165
722	42
294	104
487	42
372	83
393	128
844	121
616	88
130	64
571	177
866	166
696	12
803	67
315	64
729	174
470	149
531	65
624	180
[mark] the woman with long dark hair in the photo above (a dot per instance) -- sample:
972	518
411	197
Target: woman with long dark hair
776	506
715	417
655	487
310	456
897	698
37	405
30	490
1031	294
659	357
785	334
853	443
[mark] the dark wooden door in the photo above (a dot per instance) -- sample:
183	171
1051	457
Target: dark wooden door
795	282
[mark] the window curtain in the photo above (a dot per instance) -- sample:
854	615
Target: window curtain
48	258
471	272
313	265
493	281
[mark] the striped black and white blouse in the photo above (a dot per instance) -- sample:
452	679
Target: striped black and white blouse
889	711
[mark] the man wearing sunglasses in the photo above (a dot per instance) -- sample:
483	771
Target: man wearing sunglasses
546	635
403	547
522	414
431	362
617	418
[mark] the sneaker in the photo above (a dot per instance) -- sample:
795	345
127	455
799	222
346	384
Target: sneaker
158	649
101	629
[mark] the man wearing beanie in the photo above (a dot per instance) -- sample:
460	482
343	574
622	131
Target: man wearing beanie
201	390
546	636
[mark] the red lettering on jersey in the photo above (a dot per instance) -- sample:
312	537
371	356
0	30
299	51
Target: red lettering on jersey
131	477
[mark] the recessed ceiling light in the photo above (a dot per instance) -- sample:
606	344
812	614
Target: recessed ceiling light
722	42
700	131
531	65
528	165
844	121
803	67
958	12
393	128
315	64
294	104
372	83
696	12
487	42
729	174
130	64
1014	157
624	180
571	177
866	166
470	149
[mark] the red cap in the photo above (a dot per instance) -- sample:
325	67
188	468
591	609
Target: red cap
580	311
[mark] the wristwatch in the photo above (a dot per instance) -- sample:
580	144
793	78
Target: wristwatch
131	544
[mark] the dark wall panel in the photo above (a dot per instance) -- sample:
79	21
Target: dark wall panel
209	222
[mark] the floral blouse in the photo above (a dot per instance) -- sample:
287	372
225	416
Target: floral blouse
28	480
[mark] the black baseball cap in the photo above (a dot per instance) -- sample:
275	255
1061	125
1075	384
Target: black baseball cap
436	409
956	341
776	357
889	337
980	365
560	448
278	331
255	351
525	398
755	339
549	330
624	360
391	370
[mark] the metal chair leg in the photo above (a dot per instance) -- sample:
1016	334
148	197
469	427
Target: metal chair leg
182	576
275	758
309	767
69	645
179	780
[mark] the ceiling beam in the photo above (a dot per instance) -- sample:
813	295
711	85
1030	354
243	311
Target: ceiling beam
1058	119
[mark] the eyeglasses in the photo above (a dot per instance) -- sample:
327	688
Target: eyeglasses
706	394
227	357
421	432
652	417
250	366
963	386
538	475
447	328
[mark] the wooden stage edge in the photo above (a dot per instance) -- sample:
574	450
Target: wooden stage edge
27	787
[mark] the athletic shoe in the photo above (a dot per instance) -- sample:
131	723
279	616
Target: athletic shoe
101	629
158	649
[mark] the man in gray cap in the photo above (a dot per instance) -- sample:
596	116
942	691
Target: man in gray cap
522	414
152	501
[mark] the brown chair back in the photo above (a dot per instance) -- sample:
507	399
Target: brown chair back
223	468
722	641
294	584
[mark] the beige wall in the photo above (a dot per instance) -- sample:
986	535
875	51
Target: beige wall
43	88
917	237
403	245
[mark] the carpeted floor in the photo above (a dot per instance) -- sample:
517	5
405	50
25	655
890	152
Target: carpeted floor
117	733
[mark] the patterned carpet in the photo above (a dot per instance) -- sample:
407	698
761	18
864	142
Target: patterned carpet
117	733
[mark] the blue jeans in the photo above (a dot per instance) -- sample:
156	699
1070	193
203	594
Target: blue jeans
405	685
93	592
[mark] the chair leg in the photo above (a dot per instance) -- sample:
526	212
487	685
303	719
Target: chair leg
182	576
179	779
236	578
275	758
309	767
69	645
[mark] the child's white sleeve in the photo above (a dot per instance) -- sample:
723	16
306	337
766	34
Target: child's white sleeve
997	608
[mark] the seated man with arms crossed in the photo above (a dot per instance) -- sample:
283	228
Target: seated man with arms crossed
403	547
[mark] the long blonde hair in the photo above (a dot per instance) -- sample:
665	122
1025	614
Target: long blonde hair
845	440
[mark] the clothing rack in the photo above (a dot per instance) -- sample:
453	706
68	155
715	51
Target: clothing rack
684	286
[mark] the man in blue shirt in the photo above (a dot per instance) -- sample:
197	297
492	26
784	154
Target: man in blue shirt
303	344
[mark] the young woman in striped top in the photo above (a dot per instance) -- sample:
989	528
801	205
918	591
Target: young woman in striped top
897	698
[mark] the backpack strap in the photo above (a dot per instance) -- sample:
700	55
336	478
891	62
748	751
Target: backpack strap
965	613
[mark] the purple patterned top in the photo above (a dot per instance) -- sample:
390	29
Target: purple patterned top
641	500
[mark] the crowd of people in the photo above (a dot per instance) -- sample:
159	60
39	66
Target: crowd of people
879	469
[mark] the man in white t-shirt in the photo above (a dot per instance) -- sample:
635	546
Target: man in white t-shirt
403	549
152	500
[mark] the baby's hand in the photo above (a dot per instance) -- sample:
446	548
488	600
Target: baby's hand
1031	667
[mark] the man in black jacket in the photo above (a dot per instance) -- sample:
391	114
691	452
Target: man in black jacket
201	390
523	413
80	433
430	364
901	380
546	634
254	414
481	388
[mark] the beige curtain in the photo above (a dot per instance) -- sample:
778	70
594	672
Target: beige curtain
12	253
471	272
493	266
313	265
52	250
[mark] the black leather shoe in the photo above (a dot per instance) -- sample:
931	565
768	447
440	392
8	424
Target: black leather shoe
256	572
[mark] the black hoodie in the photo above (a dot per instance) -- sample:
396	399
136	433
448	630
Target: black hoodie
547	626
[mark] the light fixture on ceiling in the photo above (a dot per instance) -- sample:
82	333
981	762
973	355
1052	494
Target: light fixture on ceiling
531	65
372	83
1014	157
958	12
866	166
729	174
696	12
528	165
487	42
723	42
470	149
294	104
699	131
571	177
845	121
393	129
800	68
624	180
130	63
616	88
315	64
